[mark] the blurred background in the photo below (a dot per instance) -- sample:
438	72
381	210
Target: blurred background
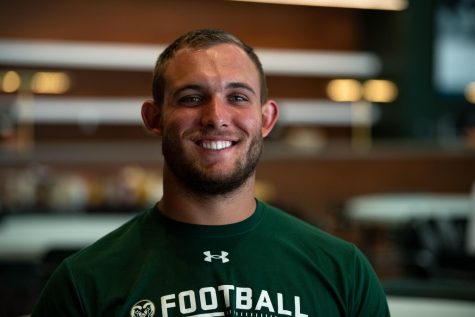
375	144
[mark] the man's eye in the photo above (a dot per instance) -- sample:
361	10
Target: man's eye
190	100
238	98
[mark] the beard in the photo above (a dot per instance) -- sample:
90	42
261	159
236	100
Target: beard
197	180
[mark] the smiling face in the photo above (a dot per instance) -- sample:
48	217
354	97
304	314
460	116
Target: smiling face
212	122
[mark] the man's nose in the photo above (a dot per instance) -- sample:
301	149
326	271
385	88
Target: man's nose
214	114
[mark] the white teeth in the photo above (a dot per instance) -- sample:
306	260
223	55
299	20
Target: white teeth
216	145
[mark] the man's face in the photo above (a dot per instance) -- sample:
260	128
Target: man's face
211	118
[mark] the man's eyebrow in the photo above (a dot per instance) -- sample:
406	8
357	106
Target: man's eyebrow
186	87
241	85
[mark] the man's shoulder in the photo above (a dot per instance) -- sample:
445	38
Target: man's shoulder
300	231
280	217
120	242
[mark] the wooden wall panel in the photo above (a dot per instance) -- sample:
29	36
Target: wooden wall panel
151	21
315	187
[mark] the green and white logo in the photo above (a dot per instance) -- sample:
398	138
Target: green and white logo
210	257
143	308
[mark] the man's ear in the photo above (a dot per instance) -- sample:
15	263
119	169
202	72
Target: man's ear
151	116
270	114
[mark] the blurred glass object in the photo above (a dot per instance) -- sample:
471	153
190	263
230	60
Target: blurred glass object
41	188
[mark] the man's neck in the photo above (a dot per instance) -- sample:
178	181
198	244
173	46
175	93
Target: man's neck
180	204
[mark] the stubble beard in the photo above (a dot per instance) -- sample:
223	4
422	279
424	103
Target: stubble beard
199	182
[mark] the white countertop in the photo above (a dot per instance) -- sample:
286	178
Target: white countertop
395	209
29	236
429	307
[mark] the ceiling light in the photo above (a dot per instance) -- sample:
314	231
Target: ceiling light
10	82
377	90
344	90
392	5
50	83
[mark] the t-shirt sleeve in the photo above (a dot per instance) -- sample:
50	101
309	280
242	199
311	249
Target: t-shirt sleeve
369	299
60	296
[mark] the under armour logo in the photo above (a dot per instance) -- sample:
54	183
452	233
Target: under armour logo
210	257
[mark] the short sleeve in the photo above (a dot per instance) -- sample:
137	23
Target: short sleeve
369	299
59	297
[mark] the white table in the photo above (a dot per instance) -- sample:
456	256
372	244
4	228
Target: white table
28	237
396	209
429	307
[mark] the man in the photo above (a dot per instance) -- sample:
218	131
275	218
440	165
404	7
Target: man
209	248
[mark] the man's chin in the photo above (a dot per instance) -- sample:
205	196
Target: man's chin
213	181
213	187
217	172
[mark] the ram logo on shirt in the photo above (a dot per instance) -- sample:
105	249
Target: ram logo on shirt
143	308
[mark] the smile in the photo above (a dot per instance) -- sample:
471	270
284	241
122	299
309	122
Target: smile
216	145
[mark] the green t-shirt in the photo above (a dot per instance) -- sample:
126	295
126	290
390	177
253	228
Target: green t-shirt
268	265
